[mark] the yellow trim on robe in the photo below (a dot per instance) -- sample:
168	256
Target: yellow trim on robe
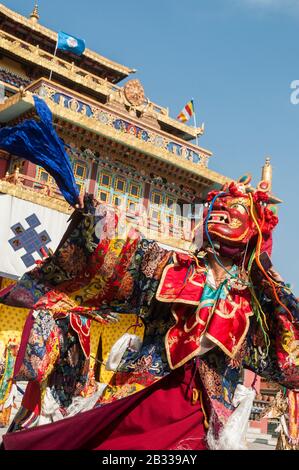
12	321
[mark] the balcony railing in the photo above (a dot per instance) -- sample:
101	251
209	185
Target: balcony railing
178	234
44	188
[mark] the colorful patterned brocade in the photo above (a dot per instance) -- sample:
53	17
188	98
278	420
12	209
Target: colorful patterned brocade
89	277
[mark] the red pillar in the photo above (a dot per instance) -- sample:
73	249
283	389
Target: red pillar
29	169
4	163
249	377
93	178
146	195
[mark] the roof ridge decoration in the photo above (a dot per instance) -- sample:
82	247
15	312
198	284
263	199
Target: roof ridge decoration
132	96
34	17
35	26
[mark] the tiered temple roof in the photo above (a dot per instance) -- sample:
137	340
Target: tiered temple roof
34	33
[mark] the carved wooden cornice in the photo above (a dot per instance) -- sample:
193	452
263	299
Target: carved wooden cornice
95	126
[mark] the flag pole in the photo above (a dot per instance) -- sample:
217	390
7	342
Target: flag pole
195	124
55	52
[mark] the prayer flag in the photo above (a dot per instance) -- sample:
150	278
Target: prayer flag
187	112
69	43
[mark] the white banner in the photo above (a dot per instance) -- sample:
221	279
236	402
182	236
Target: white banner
27	232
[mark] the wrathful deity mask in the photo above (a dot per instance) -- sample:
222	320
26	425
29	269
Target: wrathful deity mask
234	217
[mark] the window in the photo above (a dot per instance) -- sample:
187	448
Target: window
120	185
120	189
80	171
104	196
157	198
44	176
155	214
117	201
134	190
132	206
79	186
170	202
105	179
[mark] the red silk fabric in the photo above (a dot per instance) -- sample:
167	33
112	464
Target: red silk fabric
225	323
160	417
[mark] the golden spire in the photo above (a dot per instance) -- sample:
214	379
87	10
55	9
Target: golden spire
267	172
34	17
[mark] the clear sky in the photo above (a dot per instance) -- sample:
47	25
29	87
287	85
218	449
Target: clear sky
236	58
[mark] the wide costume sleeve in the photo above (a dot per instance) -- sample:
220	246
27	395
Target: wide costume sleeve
61	268
279	362
95	269
93	275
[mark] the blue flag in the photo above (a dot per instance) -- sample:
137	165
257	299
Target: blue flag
38	142
69	43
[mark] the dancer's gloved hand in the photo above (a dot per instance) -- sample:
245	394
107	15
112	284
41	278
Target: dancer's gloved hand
80	203
275	275
107	316
268	289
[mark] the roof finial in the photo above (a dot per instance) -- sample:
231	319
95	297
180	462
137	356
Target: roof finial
267	172
35	15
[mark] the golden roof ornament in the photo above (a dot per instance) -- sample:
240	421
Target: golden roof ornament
134	92
266	181
34	17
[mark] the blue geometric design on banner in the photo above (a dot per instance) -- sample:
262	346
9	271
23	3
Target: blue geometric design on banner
30	240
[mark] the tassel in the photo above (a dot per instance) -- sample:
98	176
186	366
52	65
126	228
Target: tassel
233	434
119	348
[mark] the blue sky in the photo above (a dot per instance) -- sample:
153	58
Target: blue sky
236	58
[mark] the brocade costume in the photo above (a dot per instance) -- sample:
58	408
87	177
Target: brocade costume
198	337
